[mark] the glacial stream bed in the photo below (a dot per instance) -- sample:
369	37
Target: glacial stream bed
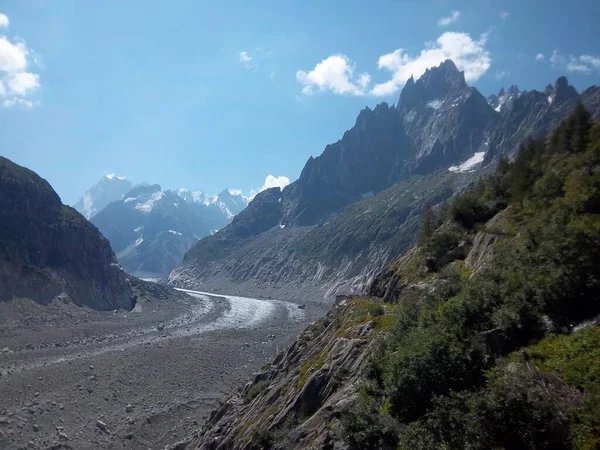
76	378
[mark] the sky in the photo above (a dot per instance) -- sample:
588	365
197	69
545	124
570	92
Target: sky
239	94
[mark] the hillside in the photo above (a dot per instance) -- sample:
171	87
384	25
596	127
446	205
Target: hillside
48	250
487	337
330	230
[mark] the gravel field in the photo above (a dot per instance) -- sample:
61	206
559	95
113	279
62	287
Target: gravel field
75	378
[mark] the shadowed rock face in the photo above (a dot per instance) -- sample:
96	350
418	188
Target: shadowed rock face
439	122
48	249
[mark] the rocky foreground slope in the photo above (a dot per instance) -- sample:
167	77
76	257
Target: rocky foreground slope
483	336
308	237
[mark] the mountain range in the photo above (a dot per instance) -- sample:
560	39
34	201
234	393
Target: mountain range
331	230
149	229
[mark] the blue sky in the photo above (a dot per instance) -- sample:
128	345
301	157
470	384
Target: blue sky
209	95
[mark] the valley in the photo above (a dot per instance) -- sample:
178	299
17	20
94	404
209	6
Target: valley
73	377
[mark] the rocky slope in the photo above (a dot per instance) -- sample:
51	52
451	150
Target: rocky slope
110	188
48	250
485	334
150	230
255	253
440	123
294	402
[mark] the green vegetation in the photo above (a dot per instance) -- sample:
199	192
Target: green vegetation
256	389
489	359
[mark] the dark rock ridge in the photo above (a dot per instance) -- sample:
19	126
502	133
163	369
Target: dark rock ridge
438	123
48	250
150	230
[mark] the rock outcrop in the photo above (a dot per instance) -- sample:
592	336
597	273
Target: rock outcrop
295	402
48	250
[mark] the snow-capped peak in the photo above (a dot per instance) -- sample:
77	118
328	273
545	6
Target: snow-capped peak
112	176
110	188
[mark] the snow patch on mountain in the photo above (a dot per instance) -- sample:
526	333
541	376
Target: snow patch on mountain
148	205
435	104
469	164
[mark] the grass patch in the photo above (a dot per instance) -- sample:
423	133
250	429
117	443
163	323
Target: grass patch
311	365
255	391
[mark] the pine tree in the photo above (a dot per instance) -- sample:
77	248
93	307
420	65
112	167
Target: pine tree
581	129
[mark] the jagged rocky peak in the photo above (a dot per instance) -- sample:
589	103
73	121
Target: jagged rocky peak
435	84
192	196
109	189
143	190
514	90
498	102
563	90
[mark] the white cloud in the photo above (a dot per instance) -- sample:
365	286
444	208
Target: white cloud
337	72
468	55
17	81
501	74
18	101
272	181
591	61
13	57
23	83
246	60
504	14
585	64
540	57
453	17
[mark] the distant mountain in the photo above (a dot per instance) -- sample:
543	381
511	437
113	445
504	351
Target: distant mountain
48	250
150	229
439	125
109	189
218	210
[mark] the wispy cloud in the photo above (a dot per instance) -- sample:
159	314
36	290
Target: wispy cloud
337	73
500	74
585	64
17	80
504	14
246	60
448	20
540	57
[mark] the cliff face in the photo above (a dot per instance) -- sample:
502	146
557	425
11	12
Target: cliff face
49	250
